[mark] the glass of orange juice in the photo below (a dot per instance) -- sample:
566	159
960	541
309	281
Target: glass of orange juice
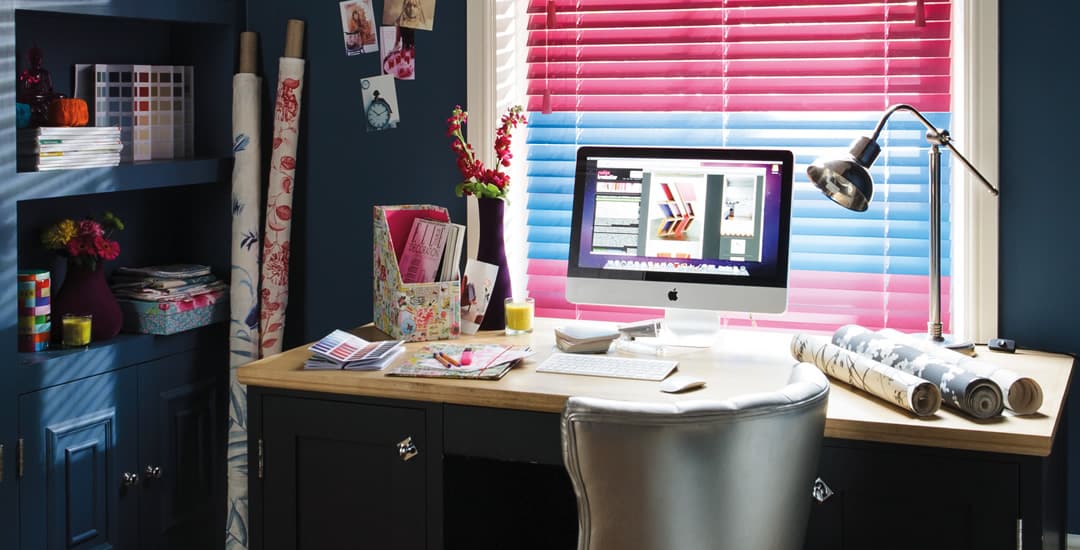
519	315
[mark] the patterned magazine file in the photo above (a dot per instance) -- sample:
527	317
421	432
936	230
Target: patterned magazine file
412	312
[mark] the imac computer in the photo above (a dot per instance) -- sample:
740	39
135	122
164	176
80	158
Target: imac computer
694	231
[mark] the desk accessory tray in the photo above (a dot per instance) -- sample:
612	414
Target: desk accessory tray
412	312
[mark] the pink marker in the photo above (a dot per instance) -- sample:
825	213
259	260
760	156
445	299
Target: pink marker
466	356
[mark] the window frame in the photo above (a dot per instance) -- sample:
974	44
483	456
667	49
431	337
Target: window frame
975	98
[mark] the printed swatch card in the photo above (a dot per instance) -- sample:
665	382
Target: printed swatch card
380	102
358	26
476	287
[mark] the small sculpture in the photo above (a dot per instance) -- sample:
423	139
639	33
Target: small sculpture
35	88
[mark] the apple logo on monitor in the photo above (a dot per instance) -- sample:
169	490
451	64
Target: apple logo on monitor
673	295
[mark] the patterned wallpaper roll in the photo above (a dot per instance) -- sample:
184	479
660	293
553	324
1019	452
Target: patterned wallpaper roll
976	395
895	386
1023	395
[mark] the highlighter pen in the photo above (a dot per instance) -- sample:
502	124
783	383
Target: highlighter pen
438	357
466	356
451	360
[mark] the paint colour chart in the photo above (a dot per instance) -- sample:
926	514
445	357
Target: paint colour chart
341	350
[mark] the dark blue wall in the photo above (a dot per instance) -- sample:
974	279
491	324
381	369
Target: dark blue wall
1040	189
343	170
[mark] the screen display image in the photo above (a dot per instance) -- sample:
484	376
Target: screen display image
688	220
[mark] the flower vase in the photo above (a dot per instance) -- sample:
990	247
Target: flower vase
492	249
85	291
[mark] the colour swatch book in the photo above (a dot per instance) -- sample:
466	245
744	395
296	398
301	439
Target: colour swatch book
341	350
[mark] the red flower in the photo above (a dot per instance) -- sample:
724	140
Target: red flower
283	212
288	163
479	180
276	263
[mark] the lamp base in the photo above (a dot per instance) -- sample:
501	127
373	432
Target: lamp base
948	341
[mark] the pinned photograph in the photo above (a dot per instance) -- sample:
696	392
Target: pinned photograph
476	288
358	25
398	52
412	14
380	102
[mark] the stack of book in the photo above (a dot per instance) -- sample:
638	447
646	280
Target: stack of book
432	252
340	350
64	148
164	283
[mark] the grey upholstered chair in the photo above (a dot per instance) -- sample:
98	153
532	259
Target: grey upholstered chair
696	475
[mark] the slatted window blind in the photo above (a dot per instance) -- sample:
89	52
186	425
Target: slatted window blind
809	77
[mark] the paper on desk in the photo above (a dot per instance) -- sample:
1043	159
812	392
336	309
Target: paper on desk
976	395
1023	395
489	361
895	386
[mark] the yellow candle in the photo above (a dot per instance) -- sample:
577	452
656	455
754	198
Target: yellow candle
76	330
519	315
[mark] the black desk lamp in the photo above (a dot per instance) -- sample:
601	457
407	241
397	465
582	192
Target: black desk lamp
846	180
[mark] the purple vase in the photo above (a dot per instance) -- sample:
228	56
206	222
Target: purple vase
492	249
83	292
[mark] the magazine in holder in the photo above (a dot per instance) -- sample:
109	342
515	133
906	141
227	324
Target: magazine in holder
413	312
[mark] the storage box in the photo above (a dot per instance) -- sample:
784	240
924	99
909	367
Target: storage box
417	311
143	317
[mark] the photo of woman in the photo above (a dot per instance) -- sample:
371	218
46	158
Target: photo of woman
411	14
358	25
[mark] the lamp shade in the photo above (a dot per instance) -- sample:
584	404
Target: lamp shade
846	179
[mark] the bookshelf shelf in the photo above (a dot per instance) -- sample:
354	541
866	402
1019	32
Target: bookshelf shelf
125	177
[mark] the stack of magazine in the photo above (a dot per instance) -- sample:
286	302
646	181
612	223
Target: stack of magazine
63	148
340	350
164	283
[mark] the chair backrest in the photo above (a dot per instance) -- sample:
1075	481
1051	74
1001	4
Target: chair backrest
694	475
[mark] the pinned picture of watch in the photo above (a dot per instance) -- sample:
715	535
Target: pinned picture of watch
379	112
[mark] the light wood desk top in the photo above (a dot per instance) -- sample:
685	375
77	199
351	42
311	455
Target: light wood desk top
741	362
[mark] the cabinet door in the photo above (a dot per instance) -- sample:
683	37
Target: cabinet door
333	476
898	497
79	439
181	453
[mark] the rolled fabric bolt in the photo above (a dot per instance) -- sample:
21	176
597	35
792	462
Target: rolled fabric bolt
1023	395
895	386
976	395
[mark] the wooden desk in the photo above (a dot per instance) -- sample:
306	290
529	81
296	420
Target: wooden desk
862	431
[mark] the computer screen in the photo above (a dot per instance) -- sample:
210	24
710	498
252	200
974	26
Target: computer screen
703	229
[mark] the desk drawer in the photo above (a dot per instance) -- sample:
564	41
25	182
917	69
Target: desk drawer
502	434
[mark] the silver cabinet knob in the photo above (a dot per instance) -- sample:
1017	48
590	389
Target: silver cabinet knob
406	449
152	472
821	491
128	479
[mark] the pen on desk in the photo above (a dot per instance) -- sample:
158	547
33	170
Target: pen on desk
466	356
438	357
450	359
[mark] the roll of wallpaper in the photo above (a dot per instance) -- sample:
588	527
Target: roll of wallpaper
244	287
895	386
279	194
975	395
1023	395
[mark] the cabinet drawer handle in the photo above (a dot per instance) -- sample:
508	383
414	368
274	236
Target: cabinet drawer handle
128	479
821	491
152	472
406	449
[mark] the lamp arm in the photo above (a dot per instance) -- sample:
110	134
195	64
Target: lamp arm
933	136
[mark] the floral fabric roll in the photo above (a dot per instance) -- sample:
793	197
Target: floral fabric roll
895	386
976	395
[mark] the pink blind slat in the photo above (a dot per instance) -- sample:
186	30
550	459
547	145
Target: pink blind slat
741	67
869	30
682	17
746	85
836	49
539	6
830	102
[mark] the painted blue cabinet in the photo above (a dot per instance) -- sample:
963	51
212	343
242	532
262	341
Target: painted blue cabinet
79	444
126	459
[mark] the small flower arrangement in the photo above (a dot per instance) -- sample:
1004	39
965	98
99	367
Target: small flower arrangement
86	241
491	183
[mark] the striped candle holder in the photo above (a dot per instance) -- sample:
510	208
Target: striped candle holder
35	310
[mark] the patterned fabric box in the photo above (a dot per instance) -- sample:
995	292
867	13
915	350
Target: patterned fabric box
171	317
418	311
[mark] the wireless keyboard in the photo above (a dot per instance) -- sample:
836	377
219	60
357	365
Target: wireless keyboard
606	365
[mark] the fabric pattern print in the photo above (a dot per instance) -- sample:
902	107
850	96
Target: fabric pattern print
274	288
243	293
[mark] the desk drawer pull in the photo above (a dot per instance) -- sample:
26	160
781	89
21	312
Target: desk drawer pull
821	491
406	449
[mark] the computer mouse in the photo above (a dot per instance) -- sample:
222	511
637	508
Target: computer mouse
681	382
